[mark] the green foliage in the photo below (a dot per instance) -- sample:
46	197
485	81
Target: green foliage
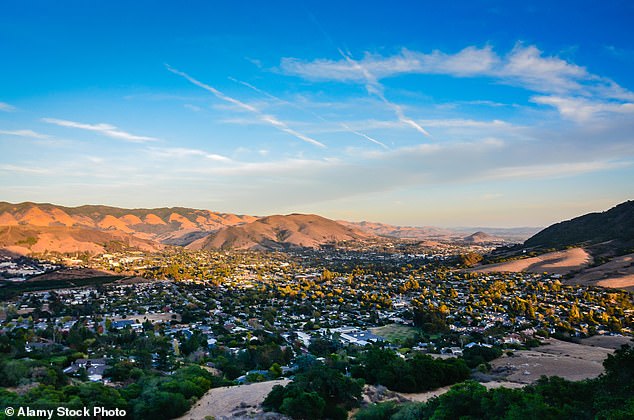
470	259
382	411
317	393
477	355
610	396
420	373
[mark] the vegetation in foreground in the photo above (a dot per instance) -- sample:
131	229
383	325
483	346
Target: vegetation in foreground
611	396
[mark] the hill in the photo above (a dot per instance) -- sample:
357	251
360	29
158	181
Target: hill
280	232
403	232
25	239
557	262
613	228
168	225
481	238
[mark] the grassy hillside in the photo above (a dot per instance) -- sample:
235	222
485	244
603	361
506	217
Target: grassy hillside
615	225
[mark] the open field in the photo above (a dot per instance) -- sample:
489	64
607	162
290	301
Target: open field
241	401
559	262
617	273
395	332
571	361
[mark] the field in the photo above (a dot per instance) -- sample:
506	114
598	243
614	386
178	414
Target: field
559	262
571	361
395	332
241	401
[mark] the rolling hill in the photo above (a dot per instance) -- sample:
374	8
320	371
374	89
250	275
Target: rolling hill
27	239
280	232
613	229
173	226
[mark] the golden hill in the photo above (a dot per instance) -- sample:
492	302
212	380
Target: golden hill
280	232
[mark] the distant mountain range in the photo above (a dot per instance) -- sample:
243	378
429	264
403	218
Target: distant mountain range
33	227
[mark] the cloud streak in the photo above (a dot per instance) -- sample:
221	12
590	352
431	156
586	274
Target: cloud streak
24	133
319	117
102	128
270	119
373	87
182	152
6	107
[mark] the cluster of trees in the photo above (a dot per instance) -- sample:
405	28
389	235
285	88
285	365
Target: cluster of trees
316	393
420	373
480	355
611	396
151	396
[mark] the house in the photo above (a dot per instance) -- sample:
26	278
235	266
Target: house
94	368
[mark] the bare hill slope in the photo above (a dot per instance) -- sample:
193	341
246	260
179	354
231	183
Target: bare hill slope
280	232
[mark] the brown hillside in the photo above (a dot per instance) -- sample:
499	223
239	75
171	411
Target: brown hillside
36	239
279	232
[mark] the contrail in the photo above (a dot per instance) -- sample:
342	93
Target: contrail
373	87
275	98
280	125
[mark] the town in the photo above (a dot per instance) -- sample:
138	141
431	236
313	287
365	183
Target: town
250	316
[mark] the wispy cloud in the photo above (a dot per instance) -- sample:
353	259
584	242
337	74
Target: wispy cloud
582	109
373	87
105	129
181	152
526	66
24	133
6	107
280	125
23	169
301	108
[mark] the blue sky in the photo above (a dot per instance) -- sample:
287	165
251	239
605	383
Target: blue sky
413	113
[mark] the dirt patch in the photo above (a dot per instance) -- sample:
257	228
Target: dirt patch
230	402
607	341
571	361
617	273
559	262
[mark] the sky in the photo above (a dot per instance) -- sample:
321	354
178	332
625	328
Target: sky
462	113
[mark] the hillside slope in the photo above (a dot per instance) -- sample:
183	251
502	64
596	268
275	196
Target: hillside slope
280	232
615	226
176	225
24	239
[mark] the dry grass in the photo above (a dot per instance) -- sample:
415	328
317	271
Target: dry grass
559	262
571	361
242	401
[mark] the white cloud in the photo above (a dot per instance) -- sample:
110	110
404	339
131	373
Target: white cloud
24	133
23	169
280	125
581	109
181	152
105	129
525	66
6	107
555	170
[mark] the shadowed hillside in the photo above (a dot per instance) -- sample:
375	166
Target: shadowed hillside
615	226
